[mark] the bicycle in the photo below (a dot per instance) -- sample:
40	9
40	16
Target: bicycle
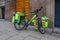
22	24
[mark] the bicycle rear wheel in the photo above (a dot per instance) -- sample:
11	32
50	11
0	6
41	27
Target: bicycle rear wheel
19	26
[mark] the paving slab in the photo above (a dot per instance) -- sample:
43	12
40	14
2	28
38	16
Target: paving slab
30	38
8	32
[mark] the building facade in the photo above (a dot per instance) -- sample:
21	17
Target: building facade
2	4
48	9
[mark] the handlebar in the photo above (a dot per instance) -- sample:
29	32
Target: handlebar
37	10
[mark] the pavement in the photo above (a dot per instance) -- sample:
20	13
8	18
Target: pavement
8	32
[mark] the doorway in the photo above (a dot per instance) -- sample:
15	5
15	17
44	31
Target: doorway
57	13
2	13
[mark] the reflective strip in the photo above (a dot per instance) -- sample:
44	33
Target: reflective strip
13	19
46	24
17	17
32	19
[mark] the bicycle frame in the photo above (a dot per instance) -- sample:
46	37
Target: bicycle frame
34	17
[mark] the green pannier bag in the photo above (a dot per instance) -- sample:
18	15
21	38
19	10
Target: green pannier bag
45	20
16	17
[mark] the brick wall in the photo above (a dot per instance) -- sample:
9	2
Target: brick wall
48	9
9	8
33	5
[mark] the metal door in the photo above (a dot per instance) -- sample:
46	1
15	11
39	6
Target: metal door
57	13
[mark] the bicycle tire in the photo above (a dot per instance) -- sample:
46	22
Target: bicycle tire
19	26
40	29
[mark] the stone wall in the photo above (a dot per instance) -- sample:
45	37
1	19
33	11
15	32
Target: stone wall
0	13
36	4
2	3
50	7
